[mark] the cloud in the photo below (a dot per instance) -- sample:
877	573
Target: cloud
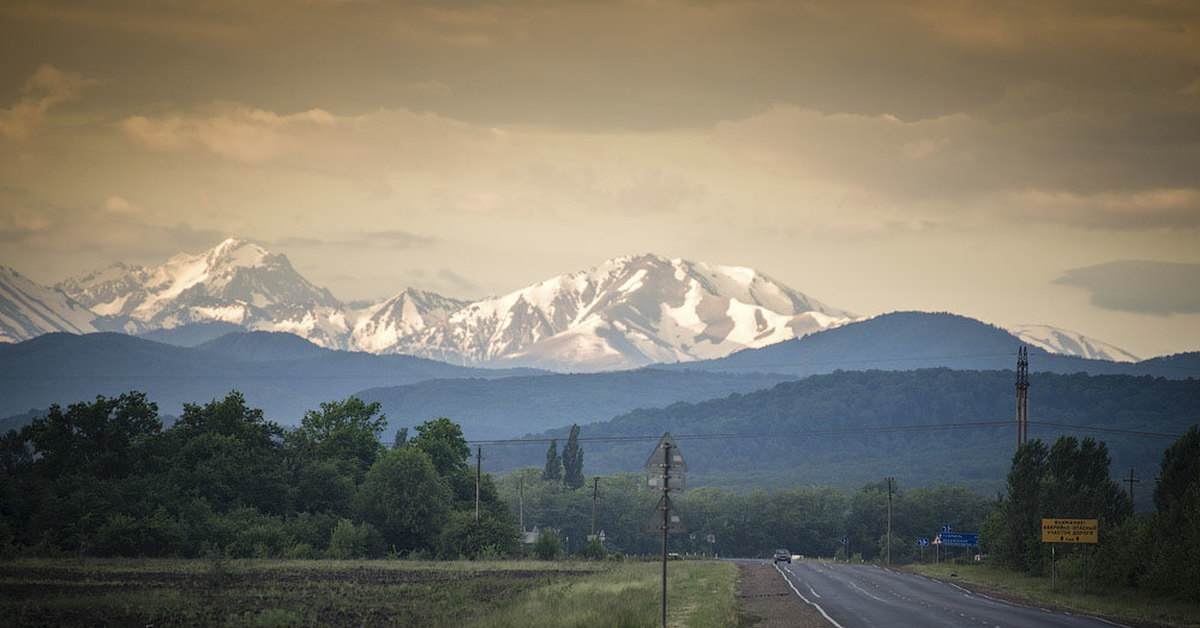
394	239
355	147
47	87
1144	287
1127	166
21	215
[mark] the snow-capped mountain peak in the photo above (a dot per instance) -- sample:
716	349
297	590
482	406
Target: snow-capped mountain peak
1066	342
29	309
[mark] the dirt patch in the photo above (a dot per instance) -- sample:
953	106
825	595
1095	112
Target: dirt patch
768	602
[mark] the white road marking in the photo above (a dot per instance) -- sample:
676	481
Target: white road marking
807	601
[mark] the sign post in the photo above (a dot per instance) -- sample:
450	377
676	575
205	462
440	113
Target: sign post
665	469
1069	531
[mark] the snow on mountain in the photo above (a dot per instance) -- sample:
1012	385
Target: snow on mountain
1065	342
383	326
29	309
236	282
625	313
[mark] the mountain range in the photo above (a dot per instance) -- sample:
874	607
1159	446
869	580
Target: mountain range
627	312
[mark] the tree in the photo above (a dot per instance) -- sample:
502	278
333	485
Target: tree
1176	564
553	470
1012	531
401	439
442	440
572	460
405	499
345	433
106	438
228	454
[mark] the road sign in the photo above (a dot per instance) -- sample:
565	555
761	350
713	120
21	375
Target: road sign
947	527
957	539
674	524
845	541
922	542
711	539
658	458
1070	531
673	483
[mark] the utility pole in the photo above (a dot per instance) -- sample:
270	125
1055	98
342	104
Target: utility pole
890	481
595	489
521	506
478	475
1131	481
1022	396
666	523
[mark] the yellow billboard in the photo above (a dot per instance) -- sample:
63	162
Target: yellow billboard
1070	531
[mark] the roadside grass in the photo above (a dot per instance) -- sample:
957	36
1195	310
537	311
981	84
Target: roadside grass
171	592
699	594
1130	605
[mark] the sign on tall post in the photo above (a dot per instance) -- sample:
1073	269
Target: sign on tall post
665	468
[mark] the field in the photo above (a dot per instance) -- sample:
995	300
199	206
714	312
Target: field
168	592
1130	606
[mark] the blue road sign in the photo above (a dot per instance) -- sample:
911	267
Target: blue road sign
957	539
845	541
922	542
947	527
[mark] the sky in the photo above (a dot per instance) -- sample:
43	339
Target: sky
1017	162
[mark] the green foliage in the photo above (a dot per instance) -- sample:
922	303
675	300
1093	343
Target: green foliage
594	550
572	460
403	496
355	541
463	536
442	440
1176	551
345	433
547	546
553	469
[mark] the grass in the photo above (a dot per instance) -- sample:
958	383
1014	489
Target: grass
1127	605
166	592
699	594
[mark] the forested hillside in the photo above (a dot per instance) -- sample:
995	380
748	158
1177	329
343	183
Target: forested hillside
848	428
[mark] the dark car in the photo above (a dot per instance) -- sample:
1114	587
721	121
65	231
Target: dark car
784	555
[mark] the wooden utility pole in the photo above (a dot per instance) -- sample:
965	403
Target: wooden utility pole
1131	482
521	501
890	480
595	489
478	476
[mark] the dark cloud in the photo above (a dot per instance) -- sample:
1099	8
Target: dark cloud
1159	288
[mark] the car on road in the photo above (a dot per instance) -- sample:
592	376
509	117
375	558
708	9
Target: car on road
784	555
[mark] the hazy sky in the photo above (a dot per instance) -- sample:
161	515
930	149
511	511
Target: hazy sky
1018	162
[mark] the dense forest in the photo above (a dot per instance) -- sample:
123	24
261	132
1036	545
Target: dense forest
105	478
849	428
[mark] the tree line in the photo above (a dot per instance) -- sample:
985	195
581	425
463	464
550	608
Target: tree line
1158	550
106	478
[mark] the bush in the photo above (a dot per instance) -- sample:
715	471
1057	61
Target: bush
547	546
594	550
355	541
124	535
465	537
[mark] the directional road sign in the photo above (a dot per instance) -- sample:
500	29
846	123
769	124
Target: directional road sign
674	524
947	527
1070	531
922	542
845	541
957	539
658	458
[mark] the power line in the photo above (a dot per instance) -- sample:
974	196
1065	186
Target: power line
826	432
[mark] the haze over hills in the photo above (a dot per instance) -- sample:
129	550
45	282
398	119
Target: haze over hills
911	340
280	373
624	313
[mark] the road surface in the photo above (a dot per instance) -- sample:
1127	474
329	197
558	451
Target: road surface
856	596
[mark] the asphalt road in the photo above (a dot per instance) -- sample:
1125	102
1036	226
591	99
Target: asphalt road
854	596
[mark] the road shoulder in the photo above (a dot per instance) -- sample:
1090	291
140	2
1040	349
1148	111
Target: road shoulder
768	602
